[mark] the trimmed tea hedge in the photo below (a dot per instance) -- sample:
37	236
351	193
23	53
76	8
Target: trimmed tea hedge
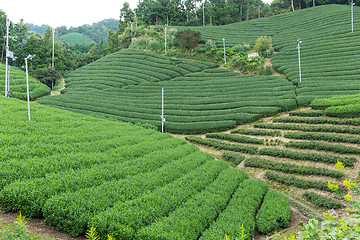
329	137
318	120
323	146
291	168
221	145
322	201
274	213
235	138
257	132
297	182
234	158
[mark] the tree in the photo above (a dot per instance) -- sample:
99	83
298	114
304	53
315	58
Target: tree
126	16
189	39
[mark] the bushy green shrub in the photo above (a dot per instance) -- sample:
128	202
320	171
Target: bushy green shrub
234	158
322	201
274	213
262	44
189	39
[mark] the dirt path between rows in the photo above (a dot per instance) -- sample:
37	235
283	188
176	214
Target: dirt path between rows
62	84
38	226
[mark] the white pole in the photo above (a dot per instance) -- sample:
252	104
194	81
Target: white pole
299	58
165	37
352	16
162	110
7	53
204	13
27	86
131	32
313	3
53	50
224	50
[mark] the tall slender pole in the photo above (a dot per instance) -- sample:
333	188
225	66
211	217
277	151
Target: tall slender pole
224	51
352	17
131	31
7	54
204	13
27	86
53	50
162	110
165	37
299	58
313	3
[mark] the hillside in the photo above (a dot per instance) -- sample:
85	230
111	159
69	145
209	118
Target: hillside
79	171
18	84
198	96
77	38
329	49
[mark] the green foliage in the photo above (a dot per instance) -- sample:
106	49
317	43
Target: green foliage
18	84
91	234
240	212
235	138
297	182
257	132
307	113
274	213
329	137
291	168
322	201
323	146
262	44
268	70
17	230
234	158
307	156
77	38
318	120
189	39
127	85
193	217
310	128
221	145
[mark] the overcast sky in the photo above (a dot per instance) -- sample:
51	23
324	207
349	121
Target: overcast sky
65	12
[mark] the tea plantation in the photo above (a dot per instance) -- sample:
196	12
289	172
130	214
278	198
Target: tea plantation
198	97
128	181
18	84
329	50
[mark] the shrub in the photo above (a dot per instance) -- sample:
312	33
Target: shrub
262	44
322	201
189	39
234	158
274	212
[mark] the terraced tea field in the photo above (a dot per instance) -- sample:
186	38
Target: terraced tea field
329	50
18	84
295	153
198	96
131	182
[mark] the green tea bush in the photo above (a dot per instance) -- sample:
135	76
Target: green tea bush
234	158
322	201
274	213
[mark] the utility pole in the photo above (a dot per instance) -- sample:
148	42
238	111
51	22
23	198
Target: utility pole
224	51
313	3
7	54
298	47
352	16
27	82
162	110
204	13
53	56
165	37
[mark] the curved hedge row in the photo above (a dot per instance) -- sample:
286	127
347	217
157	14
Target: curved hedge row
329	137
235	138
322	201
291	168
318	120
257	132
323	146
297	182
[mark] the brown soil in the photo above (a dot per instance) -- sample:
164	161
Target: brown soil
38	226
